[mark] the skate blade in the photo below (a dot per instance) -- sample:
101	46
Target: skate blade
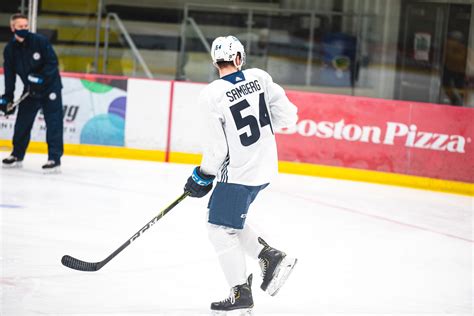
235	312
13	165
55	170
281	274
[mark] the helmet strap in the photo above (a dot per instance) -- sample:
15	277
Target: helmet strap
235	61
237	66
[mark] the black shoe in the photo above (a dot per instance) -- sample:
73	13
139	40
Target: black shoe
276	267
11	162
52	166
240	299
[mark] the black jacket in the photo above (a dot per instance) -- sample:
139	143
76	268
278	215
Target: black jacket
36	56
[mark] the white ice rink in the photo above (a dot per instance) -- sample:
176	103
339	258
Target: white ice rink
362	248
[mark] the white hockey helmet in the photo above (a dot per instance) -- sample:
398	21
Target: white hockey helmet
226	49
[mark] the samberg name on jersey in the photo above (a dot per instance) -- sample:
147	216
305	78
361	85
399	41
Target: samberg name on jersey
243	89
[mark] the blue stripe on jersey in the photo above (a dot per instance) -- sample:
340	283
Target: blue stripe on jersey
234	77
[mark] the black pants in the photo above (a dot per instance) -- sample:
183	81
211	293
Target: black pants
52	106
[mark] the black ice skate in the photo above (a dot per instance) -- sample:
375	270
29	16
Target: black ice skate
11	162
240	301
276	267
52	167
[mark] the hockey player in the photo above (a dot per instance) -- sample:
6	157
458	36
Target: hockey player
243	108
32	57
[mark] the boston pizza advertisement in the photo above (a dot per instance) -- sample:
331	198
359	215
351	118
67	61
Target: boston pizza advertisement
411	138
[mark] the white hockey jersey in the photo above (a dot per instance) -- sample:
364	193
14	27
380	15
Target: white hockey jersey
244	109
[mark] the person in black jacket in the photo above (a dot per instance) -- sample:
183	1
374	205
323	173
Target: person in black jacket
32	58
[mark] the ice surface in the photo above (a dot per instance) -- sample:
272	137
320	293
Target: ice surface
361	248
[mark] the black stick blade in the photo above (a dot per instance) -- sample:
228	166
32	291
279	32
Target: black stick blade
80	265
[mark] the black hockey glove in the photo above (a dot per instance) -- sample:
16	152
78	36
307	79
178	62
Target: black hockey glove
198	184
36	84
36	79
3	105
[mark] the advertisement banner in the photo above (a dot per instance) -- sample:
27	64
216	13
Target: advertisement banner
410	138
94	111
382	135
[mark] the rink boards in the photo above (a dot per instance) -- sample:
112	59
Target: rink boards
395	142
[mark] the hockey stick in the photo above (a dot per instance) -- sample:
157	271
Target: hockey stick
12	105
80	265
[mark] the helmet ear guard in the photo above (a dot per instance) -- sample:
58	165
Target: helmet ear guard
227	49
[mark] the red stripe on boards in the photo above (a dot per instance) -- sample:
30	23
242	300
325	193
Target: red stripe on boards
170	119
